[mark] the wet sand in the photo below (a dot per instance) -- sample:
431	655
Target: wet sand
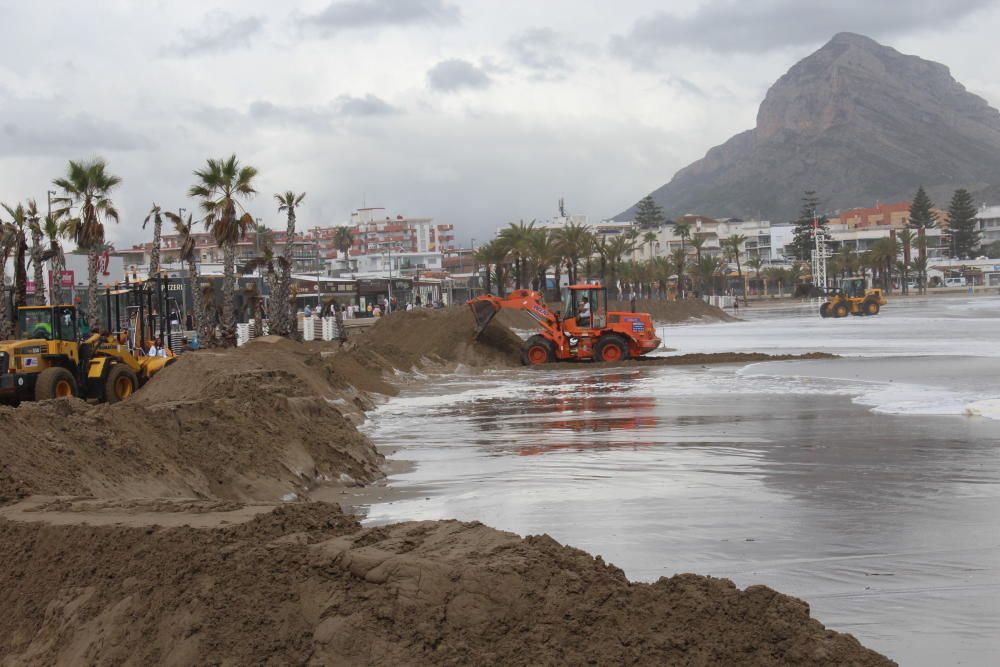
797	475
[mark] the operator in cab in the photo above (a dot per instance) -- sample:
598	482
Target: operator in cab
583	317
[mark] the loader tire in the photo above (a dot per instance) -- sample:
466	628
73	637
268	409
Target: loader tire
120	383
841	310
871	307
610	349
537	350
824	310
55	382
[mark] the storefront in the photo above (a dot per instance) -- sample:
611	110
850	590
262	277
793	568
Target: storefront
378	290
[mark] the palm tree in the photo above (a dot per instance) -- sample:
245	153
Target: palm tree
682	230
272	266
543	252
20	220
884	253
756	263
53	230
37	252
698	242
279	316
88	185
8	239
615	249
679	257
154	252
221	183
905	238
735	245
188	255
493	253
648	239
517	239
575	242
343	239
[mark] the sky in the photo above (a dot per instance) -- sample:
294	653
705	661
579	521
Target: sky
476	113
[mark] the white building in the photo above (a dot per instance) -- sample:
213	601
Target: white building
989	223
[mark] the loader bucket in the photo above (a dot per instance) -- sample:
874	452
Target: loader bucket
483	312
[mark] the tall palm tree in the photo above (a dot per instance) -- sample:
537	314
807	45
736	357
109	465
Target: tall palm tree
20	221
698	243
280	319
543	252
37	252
905	238
756	263
648	240
517	239
679	257
615	250
575	242
88	186
154	253
53	231
735	245
187	253
221	184
8	239
682	230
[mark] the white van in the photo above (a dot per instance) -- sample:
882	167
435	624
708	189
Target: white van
955	282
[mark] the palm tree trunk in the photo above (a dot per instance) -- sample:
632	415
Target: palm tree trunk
283	320
228	290
5	323
93	317
197	304
57	269
36	263
20	272
154	253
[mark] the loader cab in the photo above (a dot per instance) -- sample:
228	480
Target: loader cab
47	322
587	304
853	287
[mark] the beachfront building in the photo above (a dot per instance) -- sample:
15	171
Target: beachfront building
989	224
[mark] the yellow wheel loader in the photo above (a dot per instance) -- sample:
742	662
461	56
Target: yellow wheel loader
47	360
853	297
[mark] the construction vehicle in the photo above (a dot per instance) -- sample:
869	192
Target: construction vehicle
48	359
582	330
853	296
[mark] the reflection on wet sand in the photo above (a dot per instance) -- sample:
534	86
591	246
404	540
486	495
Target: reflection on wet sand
884	523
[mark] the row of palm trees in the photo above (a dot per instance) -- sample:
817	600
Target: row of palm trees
522	255
84	206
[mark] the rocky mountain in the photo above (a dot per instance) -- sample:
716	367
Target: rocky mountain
856	121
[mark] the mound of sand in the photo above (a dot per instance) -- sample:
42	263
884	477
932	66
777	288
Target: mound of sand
406	339
257	423
305	584
675	312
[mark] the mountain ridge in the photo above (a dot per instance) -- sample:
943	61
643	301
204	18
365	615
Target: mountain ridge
856	121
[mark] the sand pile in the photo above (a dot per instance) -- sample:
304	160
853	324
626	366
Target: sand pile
304	584
674	312
406	339
256	423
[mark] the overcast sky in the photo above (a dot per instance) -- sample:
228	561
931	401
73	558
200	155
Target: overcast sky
476	113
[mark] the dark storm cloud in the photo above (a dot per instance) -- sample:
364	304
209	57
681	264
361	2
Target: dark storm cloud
540	50
740	26
455	74
351	14
222	32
